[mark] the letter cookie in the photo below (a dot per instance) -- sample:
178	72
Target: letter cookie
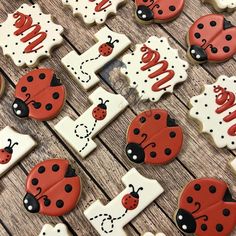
159	11
13	147
79	134
138	194
83	67
59	230
150	234
222	5
215	110
206	207
93	11
2	85
211	38
52	187
154	68
153	138
28	35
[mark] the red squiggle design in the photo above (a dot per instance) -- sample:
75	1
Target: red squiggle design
25	23
152	58
101	6
226	100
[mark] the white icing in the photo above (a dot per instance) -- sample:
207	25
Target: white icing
150	234
139	78
223	4
59	230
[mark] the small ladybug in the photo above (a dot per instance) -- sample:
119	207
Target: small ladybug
100	111
6	153
153	138
39	95
130	201
158	11
52	187
106	49
206	208
211	38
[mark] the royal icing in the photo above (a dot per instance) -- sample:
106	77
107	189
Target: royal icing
39	95
214	108
211	38
93	11
158	11
83	68
223	5
28	35
150	234
206	207
58	230
13	147
154	68
2	86
79	134
52	187
153	137
111	219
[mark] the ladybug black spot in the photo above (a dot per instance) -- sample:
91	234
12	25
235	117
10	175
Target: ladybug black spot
226	212
214	50
213	23
200	26
23	89
172	134
168	151
172	8
203	227
189	199
197	187
142	119
212	189
157	116
37	105
153	154
226	49
55	167
136	131
41	169
48	107
219	227
30	78
68	188
47	202
42	76
59	203
34	181
197	35
55	95
228	37
160	12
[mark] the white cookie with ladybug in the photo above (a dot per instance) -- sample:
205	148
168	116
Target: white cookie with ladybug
58	230
222	5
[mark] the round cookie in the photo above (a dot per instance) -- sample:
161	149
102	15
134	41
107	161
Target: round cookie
158	11
52	187
211	38
206	207
2	85
222	5
154	138
39	95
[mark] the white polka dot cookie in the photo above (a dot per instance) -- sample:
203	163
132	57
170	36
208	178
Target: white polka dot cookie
222	5
154	68
59	230
28	35
215	110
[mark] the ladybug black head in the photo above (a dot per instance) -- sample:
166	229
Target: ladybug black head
144	13
31	204
9	148
110	43
198	53
102	105
135	193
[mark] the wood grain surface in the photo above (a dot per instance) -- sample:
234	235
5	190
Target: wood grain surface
102	169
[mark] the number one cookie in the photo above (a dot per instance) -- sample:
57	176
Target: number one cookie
79	133
83	67
138	194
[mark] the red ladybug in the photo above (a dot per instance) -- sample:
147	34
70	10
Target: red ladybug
153	138
158	10
130	201
52	187
206	208
39	95
211	38
106	48
100	111
6	153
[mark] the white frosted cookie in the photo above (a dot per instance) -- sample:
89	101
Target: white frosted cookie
222	5
93	11
214	108
150	234
58	230
154	68
28	35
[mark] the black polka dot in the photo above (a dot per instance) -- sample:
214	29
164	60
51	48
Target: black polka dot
214	50
142	119
168	151
136	131
55	95
200	26
58	231
42	76
68	188
197	187
226	49
172	134
48	107
160	12
213	23
35	181
47	202
55	167
30	78
197	35
219	227
41	169
37	105
157	116
203	227
226	212
172	8
189	199
153	154
228	37
23	89
59	203
212	189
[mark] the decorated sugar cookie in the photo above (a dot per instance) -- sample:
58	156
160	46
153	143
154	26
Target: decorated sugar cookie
150	234
79	134
111	218
211	38
59	230
83	68
2	85
52	187
206	207
93	11
154	68
153	137
39	95
222	5
28	35
158	11
13	147
215	110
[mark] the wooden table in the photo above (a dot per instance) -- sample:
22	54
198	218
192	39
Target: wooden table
102	170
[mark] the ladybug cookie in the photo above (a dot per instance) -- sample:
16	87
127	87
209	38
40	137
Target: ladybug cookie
39	95
206	208
159	11
52	187
211	38
153	138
